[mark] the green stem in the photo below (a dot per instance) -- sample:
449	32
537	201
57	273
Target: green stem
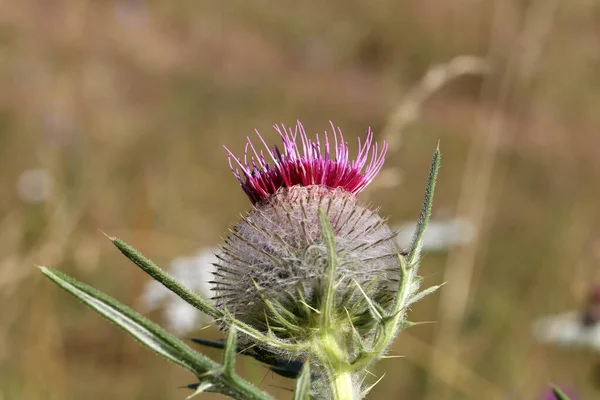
341	386
334	358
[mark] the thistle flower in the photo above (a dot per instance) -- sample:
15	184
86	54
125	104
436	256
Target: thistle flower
277	253
308	165
311	279
315	271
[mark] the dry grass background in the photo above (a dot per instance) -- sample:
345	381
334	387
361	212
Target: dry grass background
127	103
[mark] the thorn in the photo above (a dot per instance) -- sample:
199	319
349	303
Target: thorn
367	390
202	387
308	305
369	302
211	372
370	373
208	343
423	323
111	238
190	386
207	326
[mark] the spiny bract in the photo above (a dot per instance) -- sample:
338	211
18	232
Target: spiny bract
277	254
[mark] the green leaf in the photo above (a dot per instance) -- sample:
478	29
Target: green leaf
422	294
230	352
191	298
328	237
375	312
142	329
157	339
408	283
559	393
302	391
164	278
417	241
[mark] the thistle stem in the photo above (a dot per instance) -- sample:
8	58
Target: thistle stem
341	386
333	358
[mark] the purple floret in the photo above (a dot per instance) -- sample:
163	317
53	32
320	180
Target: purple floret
307	163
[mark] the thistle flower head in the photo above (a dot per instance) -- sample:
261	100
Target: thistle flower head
306	162
272	267
277	256
311	278
310	272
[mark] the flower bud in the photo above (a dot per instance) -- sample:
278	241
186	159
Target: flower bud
277	254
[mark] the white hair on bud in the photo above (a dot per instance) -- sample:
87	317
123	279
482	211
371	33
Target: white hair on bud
278	249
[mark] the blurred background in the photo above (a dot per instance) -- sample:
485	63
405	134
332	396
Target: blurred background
113	115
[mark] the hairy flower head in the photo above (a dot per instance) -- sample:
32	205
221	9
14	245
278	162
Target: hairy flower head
312	276
273	266
277	254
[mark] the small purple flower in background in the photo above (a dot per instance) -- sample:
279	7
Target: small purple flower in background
579	328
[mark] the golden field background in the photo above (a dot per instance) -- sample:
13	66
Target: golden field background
126	105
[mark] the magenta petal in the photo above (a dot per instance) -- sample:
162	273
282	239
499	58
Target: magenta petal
307	163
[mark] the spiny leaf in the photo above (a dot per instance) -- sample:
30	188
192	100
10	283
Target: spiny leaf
142	329
559	394
357	340
157	339
188	296
375	311
409	265
164	278
417	242
422	294
302	391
